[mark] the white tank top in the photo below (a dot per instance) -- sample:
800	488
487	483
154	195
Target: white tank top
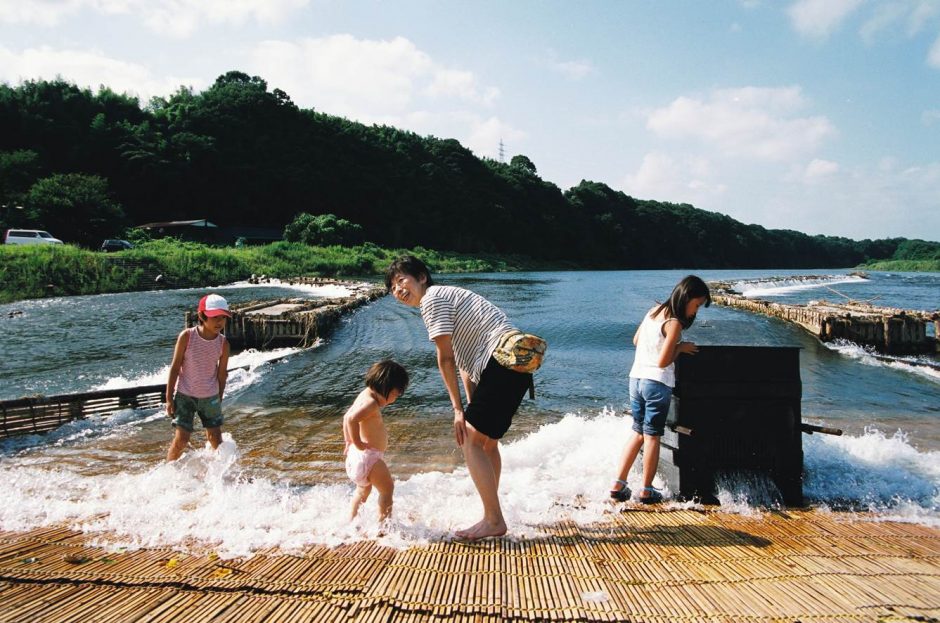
648	346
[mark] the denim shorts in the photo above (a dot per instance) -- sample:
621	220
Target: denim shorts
649	401
209	411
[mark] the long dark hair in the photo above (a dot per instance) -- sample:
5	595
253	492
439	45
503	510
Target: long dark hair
691	287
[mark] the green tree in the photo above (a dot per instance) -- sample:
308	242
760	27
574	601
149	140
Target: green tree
18	170
322	230
75	207
522	162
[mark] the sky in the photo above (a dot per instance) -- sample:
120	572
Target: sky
821	116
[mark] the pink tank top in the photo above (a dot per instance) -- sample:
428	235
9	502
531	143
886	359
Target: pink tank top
200	369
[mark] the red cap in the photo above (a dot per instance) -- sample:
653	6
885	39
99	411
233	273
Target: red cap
214	305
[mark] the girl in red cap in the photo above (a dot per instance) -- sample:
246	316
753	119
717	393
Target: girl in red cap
200	365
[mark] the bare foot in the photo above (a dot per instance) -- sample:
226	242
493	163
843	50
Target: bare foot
481	530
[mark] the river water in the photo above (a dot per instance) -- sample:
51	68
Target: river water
278	479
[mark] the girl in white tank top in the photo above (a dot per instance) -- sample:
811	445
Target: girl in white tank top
652	377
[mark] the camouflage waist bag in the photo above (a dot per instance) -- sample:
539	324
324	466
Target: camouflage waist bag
520	352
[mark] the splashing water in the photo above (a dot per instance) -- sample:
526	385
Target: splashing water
559	472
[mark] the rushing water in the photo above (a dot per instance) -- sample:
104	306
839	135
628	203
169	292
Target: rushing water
278	480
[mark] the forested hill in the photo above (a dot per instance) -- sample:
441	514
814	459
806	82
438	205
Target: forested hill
85	165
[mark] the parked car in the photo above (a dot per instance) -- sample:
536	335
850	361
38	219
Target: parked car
113	244
29	236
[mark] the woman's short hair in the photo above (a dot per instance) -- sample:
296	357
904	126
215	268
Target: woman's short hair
407	265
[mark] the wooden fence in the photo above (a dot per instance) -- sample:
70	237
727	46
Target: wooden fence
40	414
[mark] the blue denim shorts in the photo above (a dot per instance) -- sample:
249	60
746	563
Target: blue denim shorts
649	401
186	407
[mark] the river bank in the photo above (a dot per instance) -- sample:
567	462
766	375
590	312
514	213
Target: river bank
903	266
29	272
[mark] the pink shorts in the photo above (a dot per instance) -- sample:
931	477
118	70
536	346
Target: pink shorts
360	462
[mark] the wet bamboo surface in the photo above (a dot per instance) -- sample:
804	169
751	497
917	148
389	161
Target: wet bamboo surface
639	565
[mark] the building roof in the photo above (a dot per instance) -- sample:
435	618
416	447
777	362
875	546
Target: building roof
198	223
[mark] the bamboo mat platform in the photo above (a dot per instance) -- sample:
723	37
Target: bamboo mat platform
640	565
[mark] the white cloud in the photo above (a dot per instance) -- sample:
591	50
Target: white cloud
674	178
885	15
748	122
819	169
923	13
88	69
913	17
819	18
388	82
575	70
882	199
753	154
462	85
364	79
484	135
174	18
346	76
819	198
48	13
930	117
933	57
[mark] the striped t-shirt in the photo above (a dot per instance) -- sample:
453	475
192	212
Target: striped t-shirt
473	323
199	374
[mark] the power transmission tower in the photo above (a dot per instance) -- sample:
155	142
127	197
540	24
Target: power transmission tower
502	151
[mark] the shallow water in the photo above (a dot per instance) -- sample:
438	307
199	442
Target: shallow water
280	480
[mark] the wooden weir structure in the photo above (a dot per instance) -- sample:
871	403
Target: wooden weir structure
889	330
259	324
40	414
291	321
638	565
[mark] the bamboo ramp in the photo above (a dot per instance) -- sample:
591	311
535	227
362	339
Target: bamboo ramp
639	565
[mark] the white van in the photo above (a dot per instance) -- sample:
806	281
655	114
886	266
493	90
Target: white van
29	236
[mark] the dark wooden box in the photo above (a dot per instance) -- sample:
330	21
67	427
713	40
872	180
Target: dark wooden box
735	409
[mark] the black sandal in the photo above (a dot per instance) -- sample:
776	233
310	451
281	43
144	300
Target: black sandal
623	494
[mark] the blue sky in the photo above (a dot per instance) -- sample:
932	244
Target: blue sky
816	115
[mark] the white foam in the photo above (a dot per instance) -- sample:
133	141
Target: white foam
318	290
243	370
925	367
784	286
883	474
560	472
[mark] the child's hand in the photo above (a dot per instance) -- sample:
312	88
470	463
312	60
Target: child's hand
688	347
170	408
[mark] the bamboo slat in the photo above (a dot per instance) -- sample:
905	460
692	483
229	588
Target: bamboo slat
638	565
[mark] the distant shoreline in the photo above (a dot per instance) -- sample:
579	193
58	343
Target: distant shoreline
31	272
903	266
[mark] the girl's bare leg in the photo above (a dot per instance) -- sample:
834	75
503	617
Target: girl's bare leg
381	479
360	496
180	441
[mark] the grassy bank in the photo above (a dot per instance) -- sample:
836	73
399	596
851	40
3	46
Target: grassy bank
61	270
904	266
